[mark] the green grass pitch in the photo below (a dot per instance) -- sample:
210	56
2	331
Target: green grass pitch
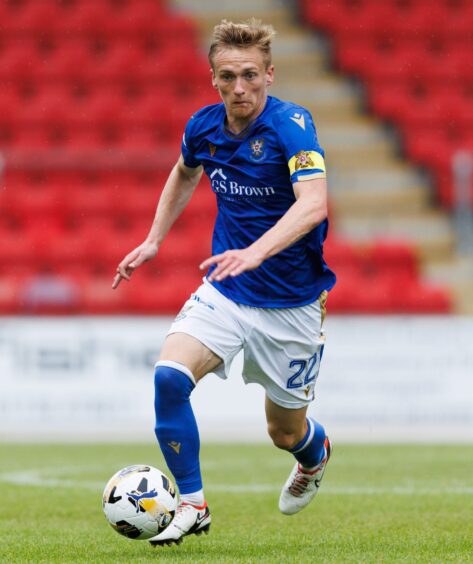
376	504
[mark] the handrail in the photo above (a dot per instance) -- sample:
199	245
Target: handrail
462	169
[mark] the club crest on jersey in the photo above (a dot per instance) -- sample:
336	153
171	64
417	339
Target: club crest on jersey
303	160
257	149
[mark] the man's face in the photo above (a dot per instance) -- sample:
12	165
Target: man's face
242	80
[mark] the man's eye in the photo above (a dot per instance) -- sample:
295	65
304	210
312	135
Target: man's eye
250	75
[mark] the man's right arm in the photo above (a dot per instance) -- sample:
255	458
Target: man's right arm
177	192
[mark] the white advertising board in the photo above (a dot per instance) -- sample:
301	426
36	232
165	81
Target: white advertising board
382	378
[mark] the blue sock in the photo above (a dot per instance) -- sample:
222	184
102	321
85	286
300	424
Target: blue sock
310	451
176	427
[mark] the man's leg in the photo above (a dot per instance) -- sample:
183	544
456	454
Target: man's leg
292	430
183	362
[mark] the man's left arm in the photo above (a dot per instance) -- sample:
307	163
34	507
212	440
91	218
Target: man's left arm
308	211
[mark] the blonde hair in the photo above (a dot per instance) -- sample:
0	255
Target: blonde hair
252	33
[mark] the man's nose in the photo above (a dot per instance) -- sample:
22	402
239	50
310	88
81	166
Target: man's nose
239	90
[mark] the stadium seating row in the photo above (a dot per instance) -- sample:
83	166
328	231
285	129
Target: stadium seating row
55	293
405	63
79	17
164	293
434	148
352	295
105	106
151	111
80	178
420	111
414	57
406	19
75	61
16	94
62	207
110	135
34	250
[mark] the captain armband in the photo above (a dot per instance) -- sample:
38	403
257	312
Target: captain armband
309	164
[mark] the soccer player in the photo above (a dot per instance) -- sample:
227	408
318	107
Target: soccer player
267	282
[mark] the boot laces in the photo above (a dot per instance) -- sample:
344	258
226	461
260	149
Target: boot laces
299	484
182	507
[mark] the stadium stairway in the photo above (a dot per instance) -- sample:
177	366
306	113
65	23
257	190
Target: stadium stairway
375	193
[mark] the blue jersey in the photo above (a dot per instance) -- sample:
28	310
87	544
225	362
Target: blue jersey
251	175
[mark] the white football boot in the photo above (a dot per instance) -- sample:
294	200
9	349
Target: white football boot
189	520
302	485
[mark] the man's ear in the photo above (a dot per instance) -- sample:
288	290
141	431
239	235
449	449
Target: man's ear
269	75
214	81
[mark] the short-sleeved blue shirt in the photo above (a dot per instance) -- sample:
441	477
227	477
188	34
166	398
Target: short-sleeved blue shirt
252	176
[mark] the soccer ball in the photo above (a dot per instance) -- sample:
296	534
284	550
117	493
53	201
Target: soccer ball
139	502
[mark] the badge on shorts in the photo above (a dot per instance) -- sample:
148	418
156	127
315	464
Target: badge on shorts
183	313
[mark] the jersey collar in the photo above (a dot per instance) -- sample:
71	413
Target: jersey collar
245	132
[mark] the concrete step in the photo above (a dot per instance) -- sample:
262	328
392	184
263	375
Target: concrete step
430	232
348	157
344	137
381	157
456	269
293	42
364	203
375	178
455	272
463	297
289	67
210	13
280	19
206	8
325	90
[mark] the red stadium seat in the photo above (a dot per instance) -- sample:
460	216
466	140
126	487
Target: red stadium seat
396	259
119	60
166	293
9	293
19	60
27	18
105	106
71	60
181	247
10	101
87	17
139	138
142	17
98	298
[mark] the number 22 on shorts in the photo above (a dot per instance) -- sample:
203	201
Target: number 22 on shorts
306	371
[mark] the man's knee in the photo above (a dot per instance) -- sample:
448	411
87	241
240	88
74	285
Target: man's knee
172	383
282	438
172	388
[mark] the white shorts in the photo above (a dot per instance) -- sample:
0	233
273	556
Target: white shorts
282	347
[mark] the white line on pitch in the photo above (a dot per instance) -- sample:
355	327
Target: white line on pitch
41	478
345	490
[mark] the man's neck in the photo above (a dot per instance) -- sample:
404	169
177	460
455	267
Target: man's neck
238	126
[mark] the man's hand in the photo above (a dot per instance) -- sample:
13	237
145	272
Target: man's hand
232	263
133	260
